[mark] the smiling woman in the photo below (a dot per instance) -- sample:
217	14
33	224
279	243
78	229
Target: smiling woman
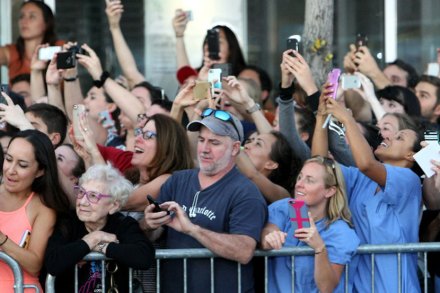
30	198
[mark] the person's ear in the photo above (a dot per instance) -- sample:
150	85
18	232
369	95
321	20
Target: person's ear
55	138
437	110
330	192
111	107
39	173
116	206
410	157
271	165
236	148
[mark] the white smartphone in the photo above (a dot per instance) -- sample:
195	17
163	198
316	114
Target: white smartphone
78	110
350	81
215	77
433	69
48	52
24	242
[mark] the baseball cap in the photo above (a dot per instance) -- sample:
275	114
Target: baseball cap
219	122
184	73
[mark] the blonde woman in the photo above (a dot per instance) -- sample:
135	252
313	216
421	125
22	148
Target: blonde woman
320	185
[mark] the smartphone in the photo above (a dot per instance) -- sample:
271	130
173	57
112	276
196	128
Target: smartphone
201	90
298	213
24	242
361	40
157	207
106	119
225	67
433	69
213	44
350	81
48	52
333	78
189	15
294	42
78	110
431	135
215	78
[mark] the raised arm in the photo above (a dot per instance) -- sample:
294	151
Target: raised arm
370	96
367	65
361	150
124	99
270	190
320	135
53	79
114	10
241	99
431	188
38	88
180	21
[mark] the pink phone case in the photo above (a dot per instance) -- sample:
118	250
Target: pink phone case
298	213
333	78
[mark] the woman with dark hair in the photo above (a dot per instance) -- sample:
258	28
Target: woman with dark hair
230	51
30	199
37	26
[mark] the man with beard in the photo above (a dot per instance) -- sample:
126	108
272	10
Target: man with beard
213	207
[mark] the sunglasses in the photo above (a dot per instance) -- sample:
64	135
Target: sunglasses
330	163
92	196
221	115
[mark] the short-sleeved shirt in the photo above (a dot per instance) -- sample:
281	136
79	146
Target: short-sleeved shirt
340	240
389	216
232	205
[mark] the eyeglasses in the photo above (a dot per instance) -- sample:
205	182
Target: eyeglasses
145	135
330	163
92	196
221	115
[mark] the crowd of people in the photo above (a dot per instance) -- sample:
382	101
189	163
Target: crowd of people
223	172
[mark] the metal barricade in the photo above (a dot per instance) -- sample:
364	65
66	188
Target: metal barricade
18	275
185	254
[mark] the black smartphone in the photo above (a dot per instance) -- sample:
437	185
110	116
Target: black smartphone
225	67
157	207
213	44
361	40
294	43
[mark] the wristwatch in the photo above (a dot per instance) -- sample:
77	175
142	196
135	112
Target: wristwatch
256	107
100	82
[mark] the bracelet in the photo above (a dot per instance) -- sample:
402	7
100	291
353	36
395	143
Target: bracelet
179	36
256	107
99	83
321	251
70	79
4	241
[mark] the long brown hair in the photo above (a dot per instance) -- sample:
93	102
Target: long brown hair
172	151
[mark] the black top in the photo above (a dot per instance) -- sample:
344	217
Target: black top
66	248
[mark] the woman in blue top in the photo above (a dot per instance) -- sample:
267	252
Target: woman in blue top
321	186
384	197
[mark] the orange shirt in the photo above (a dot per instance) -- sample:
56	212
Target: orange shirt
16	67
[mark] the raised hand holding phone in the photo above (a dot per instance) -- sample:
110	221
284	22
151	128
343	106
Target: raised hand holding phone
333	79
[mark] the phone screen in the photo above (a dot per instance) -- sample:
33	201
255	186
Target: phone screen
213	44
298	213
215	77
78	110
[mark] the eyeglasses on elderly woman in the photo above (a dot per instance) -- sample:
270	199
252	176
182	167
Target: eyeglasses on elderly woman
92	196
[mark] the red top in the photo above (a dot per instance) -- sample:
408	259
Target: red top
120	159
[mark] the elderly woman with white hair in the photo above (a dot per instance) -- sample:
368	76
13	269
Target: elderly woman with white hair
97	226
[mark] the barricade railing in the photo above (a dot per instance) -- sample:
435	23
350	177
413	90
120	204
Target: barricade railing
185	254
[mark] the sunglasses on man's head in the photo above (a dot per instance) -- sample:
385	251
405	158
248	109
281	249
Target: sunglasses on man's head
221	115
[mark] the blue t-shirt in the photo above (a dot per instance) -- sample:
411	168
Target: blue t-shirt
232	205
340	240
389	216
